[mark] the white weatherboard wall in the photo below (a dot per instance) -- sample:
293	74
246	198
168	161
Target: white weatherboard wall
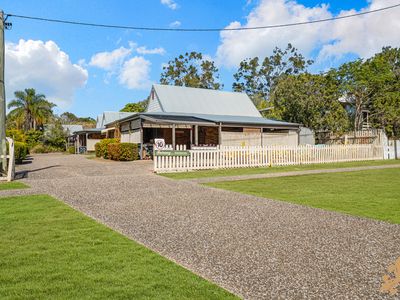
90	144
131	137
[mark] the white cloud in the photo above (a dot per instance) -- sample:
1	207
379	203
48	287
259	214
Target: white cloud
170	3
144	50
109	60
362	35
43	66
366	35
135	73
175	24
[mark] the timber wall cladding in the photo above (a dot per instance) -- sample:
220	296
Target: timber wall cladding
241	138
132	137
253	137
280	139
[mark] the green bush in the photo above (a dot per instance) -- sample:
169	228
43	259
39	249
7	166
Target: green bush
71	150
103	151
54	136
129	152
20	151
123	151
33	138
40	148
114	151
97	149
16	134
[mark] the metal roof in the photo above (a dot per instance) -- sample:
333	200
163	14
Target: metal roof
71	128
88	130
177	99
111	116
224	119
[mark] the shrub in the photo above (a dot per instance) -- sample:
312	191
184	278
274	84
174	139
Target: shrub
71	149
97	149
123	151
114	151
54	136
20	151
16	134
40	148
33	138
129	152
103	146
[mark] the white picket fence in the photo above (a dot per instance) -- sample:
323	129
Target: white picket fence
240	157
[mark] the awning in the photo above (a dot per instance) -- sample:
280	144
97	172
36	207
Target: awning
107	129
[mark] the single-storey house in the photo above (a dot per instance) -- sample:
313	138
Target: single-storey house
202	118
85	139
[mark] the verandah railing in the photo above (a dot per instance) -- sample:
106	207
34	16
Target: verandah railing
222	157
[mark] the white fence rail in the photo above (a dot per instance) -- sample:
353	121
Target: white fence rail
240	157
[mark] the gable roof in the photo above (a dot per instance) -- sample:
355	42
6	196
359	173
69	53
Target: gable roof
177	99
71	128
111	116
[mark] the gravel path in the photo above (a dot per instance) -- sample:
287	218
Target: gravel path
289	173
257	248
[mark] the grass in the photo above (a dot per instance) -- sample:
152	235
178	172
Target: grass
373	194
50	251
13	185
250	171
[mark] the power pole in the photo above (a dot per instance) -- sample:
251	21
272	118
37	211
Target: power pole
3	145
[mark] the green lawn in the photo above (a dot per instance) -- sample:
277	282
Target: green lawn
13	185
249	171
373	194
48	250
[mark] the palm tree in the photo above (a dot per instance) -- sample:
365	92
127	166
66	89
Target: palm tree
33	108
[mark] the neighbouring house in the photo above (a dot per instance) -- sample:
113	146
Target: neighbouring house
360	114
197	117
111	118
85	139
69	129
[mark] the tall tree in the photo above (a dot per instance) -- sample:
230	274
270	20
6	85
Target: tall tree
258	79
33	108
311	100
70	118
373	85
355	89
385	81
136	106
191	70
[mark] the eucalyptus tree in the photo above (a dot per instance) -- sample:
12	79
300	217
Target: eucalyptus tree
191	70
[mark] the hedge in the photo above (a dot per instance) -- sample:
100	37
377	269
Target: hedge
123	151
20	151
40	148
101	147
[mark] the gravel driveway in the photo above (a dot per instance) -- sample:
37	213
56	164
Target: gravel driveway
254	247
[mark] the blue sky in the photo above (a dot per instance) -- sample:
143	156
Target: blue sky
60	60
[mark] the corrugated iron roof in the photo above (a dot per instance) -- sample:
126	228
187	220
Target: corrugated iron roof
71	128
225	119
177	99
111	116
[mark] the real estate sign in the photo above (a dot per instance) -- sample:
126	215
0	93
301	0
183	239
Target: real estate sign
172	153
